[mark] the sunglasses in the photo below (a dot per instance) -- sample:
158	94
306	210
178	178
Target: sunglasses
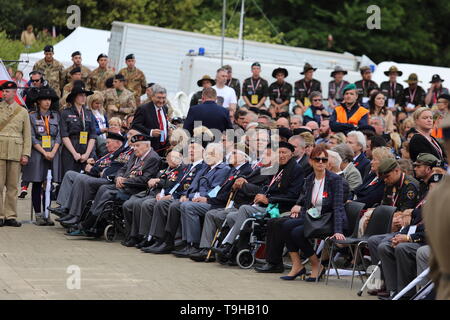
317	100
36	80
318	159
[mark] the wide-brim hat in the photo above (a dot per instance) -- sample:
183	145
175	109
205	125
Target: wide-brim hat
280	70
412	79
393	69
47	93
338	69
307	67
77	90
436	78
208	78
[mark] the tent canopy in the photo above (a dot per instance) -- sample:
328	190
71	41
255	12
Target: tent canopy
90	42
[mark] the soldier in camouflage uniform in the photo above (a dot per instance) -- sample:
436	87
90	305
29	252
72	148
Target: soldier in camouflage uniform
119	101
76	58
76	75
52	69
97	78
134	78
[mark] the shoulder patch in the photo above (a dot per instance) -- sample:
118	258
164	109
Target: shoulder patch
411	195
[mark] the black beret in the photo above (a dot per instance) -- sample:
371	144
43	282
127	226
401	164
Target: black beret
130	56
286	145
265	113
435	178
115	136
140	137
119	77
48	48
255	110
256	64
101	55
285	133
9	85
149	85
76	53
367	127
301	130
75	70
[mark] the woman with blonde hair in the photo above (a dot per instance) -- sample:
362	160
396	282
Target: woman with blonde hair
95	104
336	139
423	141
405	126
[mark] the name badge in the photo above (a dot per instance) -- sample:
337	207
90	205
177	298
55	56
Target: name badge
412	230
83	137
161	194
162	136
410	106
365	99
213	192
174	188
255	99
307	102
313	212
230	205
279	100
40	129
391	103
46	142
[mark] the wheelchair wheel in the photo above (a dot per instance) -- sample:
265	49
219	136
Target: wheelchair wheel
245	259
109	233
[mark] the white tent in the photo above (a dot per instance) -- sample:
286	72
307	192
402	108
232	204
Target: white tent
424	73
90	42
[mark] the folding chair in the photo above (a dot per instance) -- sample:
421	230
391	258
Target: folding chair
379	223
413	283
353	211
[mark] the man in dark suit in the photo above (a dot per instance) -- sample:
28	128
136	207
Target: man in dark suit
210	114
151	119
130	179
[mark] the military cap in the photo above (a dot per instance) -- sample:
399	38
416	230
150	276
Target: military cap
435	178
130	56
256	64
206	78
301	130
119	76
280	70
442	96
285	133
350	86
393	69
75	70
115	136
9	85
364	69
307	67
76	53
149	85
338	69
309	138
101	55
367	127
436	78
386	166
140	138
287	145
426	159
48	48
254	109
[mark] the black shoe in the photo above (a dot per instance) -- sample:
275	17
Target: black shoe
313	279
157	244
2	222
70	222
64	218
223	250
199	255
12	223
23	194
270	268
164	249
59	211
130	242
391	295
144	243
185	253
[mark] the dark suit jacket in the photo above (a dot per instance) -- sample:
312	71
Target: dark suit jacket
146	119
254	185
206	181
304	165
210	114
137	176
333	202
361	164
369	194
420	144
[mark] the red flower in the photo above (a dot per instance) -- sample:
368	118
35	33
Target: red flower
356	164
325	194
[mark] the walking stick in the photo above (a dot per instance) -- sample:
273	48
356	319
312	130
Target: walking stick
48	188
230	198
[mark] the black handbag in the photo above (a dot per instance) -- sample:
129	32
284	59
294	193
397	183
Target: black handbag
320	227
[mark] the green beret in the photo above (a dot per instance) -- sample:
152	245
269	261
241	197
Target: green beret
350	86
386	166
426	159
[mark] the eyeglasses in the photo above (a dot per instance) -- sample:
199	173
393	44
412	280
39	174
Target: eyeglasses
35	80
318	159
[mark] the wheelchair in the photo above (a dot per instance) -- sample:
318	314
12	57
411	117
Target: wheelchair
249	246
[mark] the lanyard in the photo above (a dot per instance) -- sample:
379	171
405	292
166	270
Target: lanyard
46	124
229	82
412	95
308	90
276	178
434	144
279	90
435	95
397	193
190	170
392	88
318	192
421	203
374	181
253	85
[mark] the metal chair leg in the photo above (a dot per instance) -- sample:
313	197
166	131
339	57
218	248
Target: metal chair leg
329	263
354	264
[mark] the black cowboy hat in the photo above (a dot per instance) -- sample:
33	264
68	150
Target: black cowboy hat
338	69
77	89
278	70
46	93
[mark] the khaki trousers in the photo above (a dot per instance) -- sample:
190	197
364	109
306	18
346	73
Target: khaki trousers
9	178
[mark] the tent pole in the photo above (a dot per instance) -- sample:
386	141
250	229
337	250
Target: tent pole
224	12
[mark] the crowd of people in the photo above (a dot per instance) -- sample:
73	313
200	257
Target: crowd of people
286	152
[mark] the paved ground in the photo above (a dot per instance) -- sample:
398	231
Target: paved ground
34	262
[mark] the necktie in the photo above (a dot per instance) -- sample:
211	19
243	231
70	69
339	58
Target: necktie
160	120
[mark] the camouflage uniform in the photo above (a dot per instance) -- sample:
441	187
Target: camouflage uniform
97	78
135	82
84	74
66	91
53	73
119	105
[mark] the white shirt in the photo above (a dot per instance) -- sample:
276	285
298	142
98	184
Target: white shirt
317	193
225	96
164	120
215	165
101	121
